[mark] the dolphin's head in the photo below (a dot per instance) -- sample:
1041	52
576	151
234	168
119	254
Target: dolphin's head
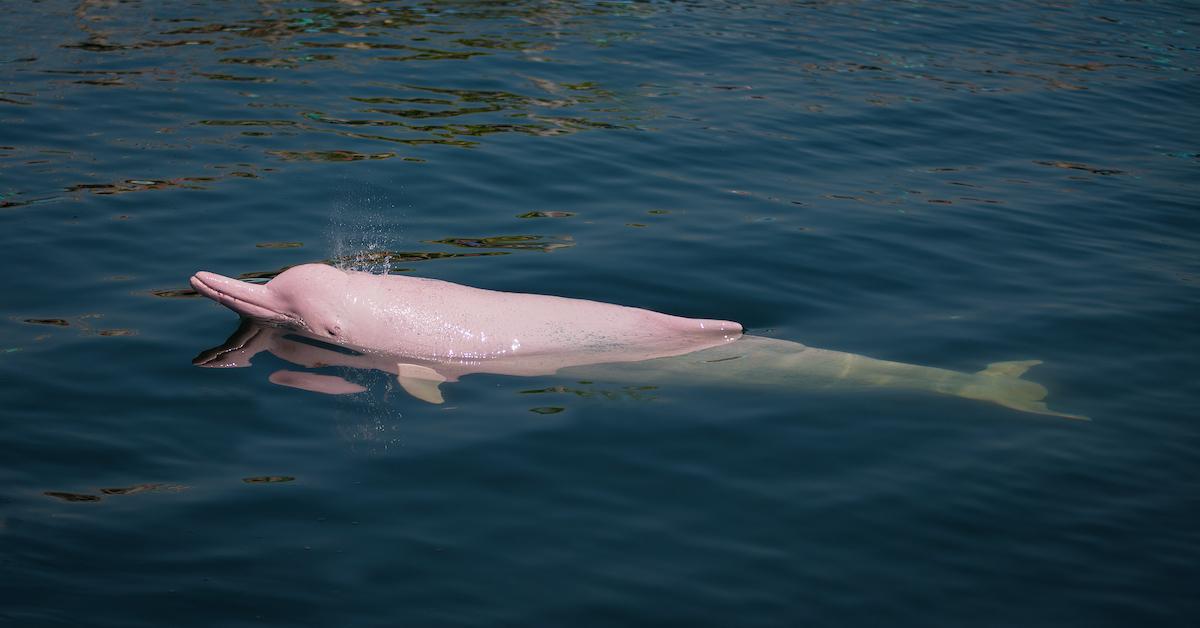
310	297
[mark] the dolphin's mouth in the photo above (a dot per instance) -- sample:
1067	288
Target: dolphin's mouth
247	299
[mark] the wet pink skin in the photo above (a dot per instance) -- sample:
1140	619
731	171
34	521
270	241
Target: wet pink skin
457	329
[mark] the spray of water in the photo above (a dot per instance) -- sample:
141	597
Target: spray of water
365	226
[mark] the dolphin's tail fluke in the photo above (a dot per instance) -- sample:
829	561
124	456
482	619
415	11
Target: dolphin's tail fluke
1001	383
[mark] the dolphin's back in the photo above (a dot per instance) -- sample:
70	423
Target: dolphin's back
438	318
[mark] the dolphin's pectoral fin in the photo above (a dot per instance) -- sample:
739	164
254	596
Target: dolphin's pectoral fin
420	381
423	389
327	384
1009	369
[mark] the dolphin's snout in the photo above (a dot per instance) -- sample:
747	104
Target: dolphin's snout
247	299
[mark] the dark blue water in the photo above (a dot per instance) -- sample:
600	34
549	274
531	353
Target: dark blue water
944	184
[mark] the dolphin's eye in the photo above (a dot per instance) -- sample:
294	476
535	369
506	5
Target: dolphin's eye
333	330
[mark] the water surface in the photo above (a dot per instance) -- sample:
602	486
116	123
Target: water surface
931	183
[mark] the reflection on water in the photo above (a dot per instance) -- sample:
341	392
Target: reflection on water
266	51
385	59
519	242
546	214
83	323
587	390
116	491
268	479
72	497
59	322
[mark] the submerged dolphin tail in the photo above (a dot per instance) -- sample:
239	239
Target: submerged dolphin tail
1001	383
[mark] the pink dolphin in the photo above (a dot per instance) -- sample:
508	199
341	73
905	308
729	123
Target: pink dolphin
431	331
426	332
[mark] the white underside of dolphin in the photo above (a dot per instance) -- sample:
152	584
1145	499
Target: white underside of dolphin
427	332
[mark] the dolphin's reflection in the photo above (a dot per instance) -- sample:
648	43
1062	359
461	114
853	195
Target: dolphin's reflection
748	362
420	377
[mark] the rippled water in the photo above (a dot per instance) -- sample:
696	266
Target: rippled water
944	184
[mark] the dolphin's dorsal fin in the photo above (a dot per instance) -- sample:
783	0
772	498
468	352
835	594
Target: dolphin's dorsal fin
1009	369
420	382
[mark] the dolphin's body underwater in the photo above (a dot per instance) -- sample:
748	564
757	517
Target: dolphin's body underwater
427	332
